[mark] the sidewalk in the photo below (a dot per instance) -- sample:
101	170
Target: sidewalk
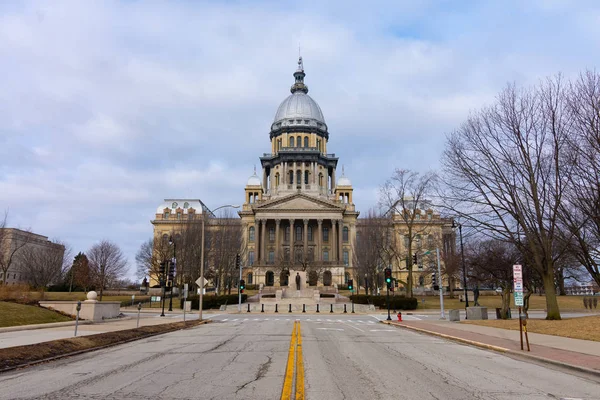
35	334
582	355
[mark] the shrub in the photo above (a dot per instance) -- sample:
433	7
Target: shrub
209	302
396	302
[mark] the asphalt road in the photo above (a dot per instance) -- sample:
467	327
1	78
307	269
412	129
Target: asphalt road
244	357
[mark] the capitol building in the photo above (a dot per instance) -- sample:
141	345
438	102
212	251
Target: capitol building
296	215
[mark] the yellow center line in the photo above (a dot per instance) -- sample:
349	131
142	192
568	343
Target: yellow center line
299	366
294	359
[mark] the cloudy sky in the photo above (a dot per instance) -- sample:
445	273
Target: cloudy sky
108	107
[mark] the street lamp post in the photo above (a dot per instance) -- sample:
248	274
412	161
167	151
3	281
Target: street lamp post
462	252
366	285
174	261
202	257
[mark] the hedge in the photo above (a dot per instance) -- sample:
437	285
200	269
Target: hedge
209	302
396	302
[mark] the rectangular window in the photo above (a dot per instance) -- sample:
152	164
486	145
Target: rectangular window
166	216
345	234
287	234
271	257
326	234
251	258
325	255
298	233
430	241
429	216
310	235
271	234
346	258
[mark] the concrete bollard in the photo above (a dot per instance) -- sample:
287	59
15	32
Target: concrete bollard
454	315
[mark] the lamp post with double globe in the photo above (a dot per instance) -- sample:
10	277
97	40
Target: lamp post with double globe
174	264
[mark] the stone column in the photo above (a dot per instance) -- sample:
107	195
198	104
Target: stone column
340	241
277	247
305	234
333	240
319	240
333	179
263	247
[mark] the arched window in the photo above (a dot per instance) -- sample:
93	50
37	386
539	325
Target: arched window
430	241
346	258
298	177
292	141
251	258
249	278
251	234
165	238
306	177
299	141
291	174
345	234
421	281
269	278
306	141
298	233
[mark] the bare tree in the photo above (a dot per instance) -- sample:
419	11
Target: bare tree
505	175
144	259
107	263
580	213
44	265
224	244
404	194
11	243
370	241
490	262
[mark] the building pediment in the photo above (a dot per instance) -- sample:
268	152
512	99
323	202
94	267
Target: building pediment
299	202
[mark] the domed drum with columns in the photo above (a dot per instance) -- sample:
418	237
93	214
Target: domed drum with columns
295	217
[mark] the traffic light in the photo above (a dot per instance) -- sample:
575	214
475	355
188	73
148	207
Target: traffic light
242	284
396	283
415	259
388	276
237	260
161	268
171	271
434	282
350	284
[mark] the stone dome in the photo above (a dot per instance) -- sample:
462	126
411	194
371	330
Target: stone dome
254	180
299	106
299	109
343	181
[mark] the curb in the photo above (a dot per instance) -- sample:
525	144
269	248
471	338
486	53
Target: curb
74	353
499	349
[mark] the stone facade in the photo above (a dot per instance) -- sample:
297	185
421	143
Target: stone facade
13	243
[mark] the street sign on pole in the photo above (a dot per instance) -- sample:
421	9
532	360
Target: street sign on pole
201	282
518	285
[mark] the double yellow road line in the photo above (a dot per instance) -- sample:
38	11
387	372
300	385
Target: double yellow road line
294	364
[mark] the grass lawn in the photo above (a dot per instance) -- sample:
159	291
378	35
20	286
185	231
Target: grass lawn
585	328
536	302
12	314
